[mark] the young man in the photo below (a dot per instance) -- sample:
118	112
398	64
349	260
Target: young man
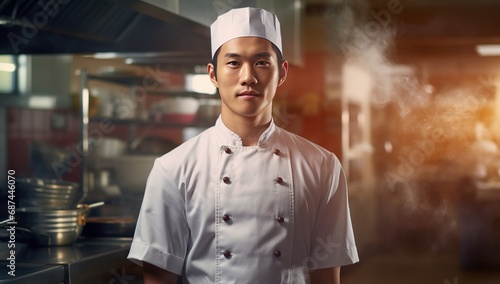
245	201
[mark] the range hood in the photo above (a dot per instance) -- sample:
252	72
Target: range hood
92	26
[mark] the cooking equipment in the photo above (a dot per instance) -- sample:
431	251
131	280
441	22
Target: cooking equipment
90	206
43	156
175	110
100	179
150	145
109	227
63	32
51	227
105	147
108	146
5	222
48	193
131	171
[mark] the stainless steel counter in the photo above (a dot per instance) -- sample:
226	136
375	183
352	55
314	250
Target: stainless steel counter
86	261
27	273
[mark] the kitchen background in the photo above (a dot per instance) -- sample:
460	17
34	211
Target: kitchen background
404	92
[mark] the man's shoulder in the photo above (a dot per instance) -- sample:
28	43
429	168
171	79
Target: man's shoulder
302	144
190	147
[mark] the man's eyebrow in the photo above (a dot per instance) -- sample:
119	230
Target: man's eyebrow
231	55
258	55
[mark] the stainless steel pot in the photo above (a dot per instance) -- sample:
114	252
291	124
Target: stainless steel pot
48	193
52	227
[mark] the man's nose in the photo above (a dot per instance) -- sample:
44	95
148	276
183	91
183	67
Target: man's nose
247	75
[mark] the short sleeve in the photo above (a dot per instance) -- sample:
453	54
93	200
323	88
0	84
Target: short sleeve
161	235
332	240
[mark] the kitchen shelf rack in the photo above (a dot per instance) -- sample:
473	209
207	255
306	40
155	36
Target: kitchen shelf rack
139	123
133	81
118	79
148	123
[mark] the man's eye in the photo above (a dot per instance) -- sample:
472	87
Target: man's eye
262	63
233	63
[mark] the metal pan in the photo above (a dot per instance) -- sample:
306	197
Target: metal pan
118	227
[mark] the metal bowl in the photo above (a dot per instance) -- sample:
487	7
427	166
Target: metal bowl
50	227
103	148
47	193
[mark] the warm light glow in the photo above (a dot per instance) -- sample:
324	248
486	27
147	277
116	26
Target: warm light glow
104	55
388	146
7	67
199	83
41	102
488	49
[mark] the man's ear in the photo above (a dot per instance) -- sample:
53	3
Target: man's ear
211	74
284	72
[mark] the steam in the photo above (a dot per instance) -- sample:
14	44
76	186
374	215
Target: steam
437	124
366	38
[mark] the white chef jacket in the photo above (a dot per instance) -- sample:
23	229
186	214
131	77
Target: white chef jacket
215	211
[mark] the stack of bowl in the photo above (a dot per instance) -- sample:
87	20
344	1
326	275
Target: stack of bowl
47	193
49	211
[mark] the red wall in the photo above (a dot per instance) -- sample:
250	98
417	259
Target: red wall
305	89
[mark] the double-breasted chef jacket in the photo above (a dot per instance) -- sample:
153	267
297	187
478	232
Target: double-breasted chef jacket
215	211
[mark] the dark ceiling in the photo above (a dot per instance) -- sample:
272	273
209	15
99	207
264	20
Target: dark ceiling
422	27
425	30
38	27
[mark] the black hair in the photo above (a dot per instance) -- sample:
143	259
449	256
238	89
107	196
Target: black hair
275	48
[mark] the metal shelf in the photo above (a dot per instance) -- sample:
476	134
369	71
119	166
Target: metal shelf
134	125
131	81
149	123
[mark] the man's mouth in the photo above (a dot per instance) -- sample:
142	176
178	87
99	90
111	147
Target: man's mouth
248	94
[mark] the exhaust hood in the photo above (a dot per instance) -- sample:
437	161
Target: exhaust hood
91	26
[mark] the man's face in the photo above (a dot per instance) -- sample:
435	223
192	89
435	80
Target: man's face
247	76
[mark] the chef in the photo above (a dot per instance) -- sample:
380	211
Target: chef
245	201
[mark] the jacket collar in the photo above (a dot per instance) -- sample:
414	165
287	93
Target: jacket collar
225	136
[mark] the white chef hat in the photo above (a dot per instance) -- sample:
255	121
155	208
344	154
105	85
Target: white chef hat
245	22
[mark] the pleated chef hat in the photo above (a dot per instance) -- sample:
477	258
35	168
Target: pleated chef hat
243	22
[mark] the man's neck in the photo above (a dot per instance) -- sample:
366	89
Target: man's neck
248	128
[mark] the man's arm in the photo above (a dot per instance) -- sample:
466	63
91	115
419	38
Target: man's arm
325	276
156	275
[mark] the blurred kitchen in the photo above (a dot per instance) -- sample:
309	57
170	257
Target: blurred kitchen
406	93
